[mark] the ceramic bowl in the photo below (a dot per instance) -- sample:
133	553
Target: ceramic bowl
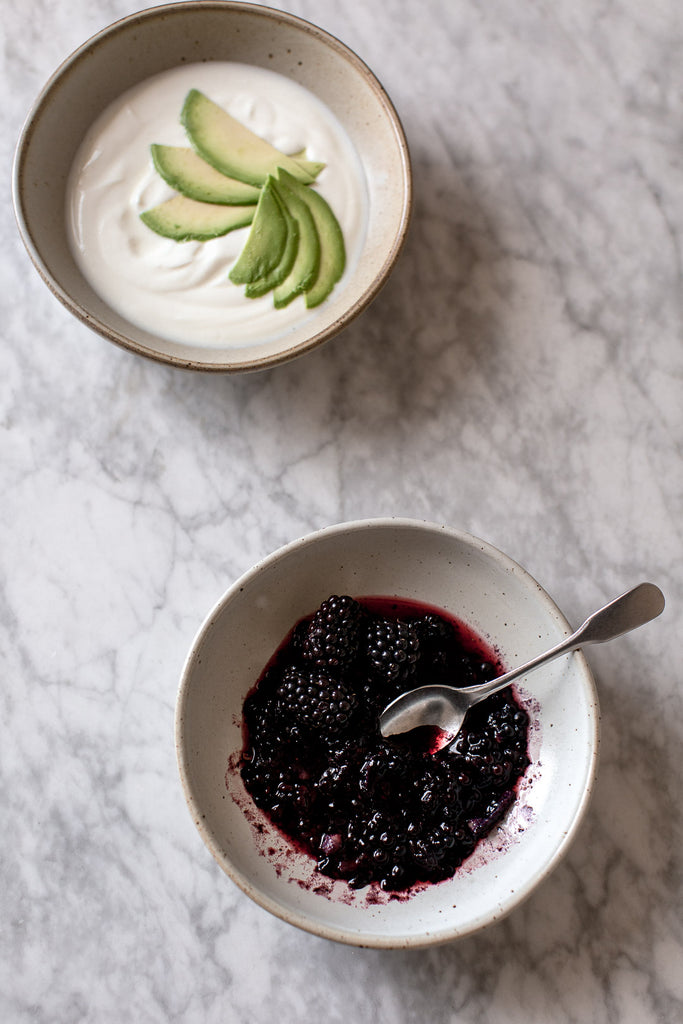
144	44
496	598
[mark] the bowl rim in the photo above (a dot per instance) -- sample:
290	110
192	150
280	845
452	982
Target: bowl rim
300	920
169	358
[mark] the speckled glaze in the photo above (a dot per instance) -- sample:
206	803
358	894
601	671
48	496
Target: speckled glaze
143	44
483	588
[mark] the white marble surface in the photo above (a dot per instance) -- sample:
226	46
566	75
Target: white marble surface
520	377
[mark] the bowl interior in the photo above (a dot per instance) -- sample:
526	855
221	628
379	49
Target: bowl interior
477	584
155	40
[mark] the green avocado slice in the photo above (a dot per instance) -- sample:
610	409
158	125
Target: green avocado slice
266	284
186	220
307	262
233	149
266	242
332	249
187	173
314	167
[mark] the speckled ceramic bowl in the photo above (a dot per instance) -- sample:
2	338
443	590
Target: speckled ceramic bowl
160	38
480	586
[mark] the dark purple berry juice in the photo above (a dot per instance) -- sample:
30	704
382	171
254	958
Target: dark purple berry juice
369	809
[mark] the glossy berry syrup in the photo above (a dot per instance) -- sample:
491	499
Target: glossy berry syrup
370	810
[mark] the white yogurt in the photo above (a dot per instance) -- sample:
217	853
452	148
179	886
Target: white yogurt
180	290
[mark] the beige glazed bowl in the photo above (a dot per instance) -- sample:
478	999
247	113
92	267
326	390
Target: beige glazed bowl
166	37
499	601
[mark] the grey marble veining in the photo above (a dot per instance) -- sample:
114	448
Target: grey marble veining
520	376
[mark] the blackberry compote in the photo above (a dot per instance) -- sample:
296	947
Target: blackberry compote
368	809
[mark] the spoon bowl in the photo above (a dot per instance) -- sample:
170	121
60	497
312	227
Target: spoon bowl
445	707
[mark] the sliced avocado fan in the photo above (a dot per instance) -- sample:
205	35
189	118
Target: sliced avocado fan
231	179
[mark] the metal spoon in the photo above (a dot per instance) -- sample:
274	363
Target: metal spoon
446	706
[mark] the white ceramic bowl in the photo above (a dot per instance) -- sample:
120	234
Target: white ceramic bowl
477	584
160	38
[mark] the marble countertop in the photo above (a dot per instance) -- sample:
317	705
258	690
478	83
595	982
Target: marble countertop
519	377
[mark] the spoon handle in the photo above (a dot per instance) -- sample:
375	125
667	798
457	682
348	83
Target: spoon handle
633	609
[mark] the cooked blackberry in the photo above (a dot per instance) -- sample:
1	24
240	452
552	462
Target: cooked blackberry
386	775
438	640
393	648
277	789
312	699
379	841
332	637
435	631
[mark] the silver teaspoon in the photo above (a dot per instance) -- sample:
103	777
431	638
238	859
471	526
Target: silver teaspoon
445	707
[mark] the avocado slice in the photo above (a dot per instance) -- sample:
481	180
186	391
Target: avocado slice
186	220
307	262
233	149
332	249
187	173
266	284
314	167
266	243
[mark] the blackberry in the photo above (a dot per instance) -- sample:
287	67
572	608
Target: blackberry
331	639
279	790
263	726
508	722
438	641
313	700
393	649
379	841
396	878
385	776
425	853
435	631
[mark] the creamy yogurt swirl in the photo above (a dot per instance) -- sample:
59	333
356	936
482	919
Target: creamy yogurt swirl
180	290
